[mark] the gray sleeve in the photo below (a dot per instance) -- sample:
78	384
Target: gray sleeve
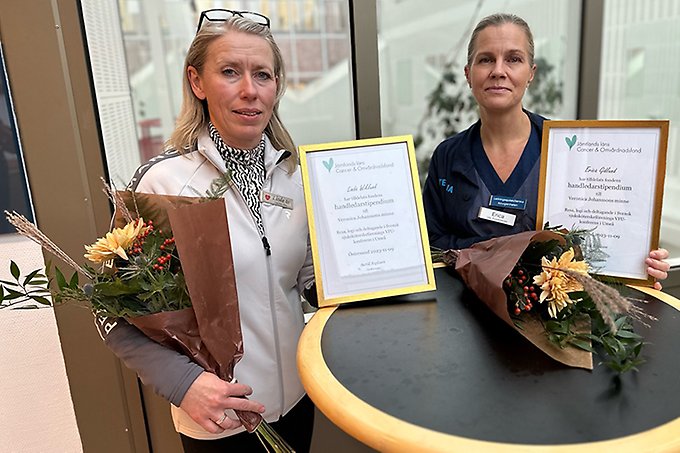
306	275
167	372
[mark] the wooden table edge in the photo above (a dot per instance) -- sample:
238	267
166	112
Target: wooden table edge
386	433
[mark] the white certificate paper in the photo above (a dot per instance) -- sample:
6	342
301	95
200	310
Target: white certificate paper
366	220
606	176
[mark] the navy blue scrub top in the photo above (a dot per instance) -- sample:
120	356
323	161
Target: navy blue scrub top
461	180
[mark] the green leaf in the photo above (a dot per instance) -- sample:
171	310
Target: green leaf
41	300
612	345
637	349
61	280
557	327
30	276
14	269
8	283
11	295
620	322
117	288
74	280
628	334
38	291
582	344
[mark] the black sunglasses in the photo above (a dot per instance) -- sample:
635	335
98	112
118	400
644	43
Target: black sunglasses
221	15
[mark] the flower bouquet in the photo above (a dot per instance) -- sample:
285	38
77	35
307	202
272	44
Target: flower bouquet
188	304
538	283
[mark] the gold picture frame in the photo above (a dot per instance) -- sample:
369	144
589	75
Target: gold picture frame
606	175
366	219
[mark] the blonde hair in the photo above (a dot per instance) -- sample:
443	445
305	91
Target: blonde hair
496	20
193	116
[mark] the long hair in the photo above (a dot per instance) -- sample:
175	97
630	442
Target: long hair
193	116
496	20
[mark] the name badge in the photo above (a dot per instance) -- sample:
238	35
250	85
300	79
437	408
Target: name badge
496	216
276	200
499	201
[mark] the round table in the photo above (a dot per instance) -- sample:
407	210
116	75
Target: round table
437	371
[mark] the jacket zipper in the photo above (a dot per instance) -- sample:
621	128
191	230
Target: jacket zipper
272	310
275	324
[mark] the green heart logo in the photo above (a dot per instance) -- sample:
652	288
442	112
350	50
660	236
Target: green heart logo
328	164
570	141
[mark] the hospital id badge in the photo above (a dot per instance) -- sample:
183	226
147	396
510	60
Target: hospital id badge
276	200
496	216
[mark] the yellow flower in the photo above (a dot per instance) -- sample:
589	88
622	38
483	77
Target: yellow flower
566	262
555	284
115	243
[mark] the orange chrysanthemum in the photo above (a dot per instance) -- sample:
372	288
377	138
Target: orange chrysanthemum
556	284
115	243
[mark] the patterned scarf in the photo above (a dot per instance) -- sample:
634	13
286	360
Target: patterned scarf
247	171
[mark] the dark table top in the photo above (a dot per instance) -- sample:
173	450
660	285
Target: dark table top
441	368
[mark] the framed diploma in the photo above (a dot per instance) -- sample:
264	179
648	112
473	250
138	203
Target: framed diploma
366	220
607	176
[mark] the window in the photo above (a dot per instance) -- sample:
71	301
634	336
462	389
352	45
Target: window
423	50
13	188
635	80
313	36
640	76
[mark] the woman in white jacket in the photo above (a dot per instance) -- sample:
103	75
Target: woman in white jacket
233	80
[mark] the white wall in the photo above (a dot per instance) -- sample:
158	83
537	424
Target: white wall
36	411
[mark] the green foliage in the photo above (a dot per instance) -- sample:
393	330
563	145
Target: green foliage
219	186
150	281
21	291
619	350
584	241
544	95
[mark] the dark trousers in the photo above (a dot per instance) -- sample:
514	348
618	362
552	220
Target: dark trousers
295	428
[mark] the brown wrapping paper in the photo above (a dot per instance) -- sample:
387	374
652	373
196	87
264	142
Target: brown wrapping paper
485	265
210	331
202	240
177	330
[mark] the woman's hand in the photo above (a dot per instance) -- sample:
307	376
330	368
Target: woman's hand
209	397
657	267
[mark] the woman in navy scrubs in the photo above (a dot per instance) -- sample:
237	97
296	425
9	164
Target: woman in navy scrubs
483	181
